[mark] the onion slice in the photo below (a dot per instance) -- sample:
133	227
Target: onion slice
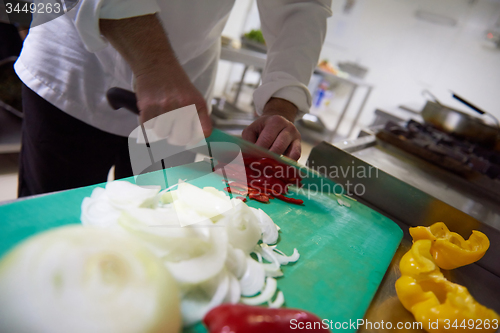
278	302
266	294
202	237
83	279
268	228
253	279
123	194
205	266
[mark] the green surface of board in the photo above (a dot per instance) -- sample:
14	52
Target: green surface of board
345	251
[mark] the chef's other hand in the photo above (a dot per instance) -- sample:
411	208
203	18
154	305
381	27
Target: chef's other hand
275	130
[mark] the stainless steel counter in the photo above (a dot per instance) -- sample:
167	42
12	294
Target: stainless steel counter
427	177
482	284
413	192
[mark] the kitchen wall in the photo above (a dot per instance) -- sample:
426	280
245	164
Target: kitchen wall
405	54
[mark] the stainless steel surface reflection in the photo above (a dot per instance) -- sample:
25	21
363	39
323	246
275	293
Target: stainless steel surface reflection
482	284
413	192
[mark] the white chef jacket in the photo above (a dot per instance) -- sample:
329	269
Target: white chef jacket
69	63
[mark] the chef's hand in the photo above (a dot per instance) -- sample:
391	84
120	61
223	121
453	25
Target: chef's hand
275	130
161	83
157	95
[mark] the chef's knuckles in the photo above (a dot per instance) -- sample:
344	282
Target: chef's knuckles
275	133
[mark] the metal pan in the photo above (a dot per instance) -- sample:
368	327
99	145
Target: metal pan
461	124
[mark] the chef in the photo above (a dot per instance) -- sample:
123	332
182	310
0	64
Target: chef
167	52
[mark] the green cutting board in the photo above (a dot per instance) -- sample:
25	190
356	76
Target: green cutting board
344	251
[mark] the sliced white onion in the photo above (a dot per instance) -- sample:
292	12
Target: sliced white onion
275	256
272	270
99	213
284	259
350	198
83	279
268	228
253	279
278	302
124	194
215	192
197	300
187	216
159	231
266	294
236	261
242	226
104	206
202	236
205	266
203	202
343	203
234	293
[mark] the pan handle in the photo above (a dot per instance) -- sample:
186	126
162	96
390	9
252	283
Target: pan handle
475	108
469	104
433	97
122	98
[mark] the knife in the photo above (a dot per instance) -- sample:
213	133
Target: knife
121	98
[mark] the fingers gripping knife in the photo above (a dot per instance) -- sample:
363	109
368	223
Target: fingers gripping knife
156	150
122	98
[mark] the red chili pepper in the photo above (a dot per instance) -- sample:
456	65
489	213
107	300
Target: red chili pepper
262	189
289	200
242	199
237	184
271	167
259	197
266	178
268	185
240	318
233	190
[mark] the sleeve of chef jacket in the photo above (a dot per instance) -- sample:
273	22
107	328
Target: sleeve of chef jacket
87	14
294	32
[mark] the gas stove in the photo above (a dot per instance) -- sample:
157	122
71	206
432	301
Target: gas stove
478	164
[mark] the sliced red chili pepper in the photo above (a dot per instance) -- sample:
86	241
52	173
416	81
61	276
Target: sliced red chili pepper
266	178
254	190
259	197
242	199
268	185
235	191
240	185
289	200
245	188
262	189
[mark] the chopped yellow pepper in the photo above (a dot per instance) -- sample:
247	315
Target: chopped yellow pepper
449	249
440	305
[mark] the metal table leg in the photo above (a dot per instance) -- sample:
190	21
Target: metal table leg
342	115
356	118
240	85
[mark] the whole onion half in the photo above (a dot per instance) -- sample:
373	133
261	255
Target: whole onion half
83	279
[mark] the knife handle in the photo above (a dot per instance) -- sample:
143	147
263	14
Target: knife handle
122	98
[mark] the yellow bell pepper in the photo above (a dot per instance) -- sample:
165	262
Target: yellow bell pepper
440	305
449	249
